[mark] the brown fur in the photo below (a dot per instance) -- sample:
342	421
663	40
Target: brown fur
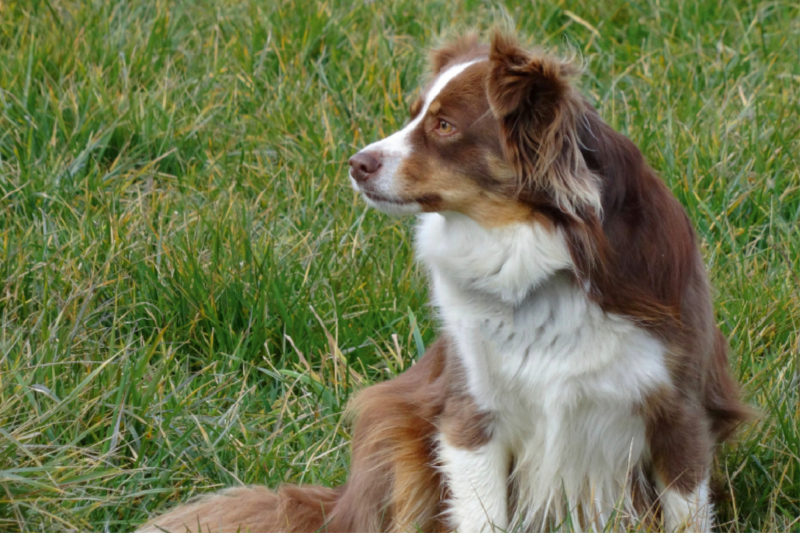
463	48
538	111
251	509
652	271
528	147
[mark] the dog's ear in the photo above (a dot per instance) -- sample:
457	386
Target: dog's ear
538	110
466	46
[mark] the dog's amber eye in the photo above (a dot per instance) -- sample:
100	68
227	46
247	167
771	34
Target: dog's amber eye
445	127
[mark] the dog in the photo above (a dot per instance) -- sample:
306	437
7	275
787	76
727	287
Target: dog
579	381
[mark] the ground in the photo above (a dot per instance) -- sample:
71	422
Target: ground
190	291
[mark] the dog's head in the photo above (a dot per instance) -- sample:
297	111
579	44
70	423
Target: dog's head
494	136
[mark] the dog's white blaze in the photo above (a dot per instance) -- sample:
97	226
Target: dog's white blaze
396	147
561	377
692	512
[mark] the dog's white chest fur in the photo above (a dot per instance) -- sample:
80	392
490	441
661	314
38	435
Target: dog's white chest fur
562	378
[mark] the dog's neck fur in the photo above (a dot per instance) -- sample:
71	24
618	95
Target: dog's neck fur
498	266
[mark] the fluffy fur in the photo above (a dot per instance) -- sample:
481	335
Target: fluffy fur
579	380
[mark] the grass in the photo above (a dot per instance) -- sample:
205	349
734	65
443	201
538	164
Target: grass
190	291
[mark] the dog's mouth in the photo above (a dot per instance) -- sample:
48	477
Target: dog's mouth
428	202
393	202
386	200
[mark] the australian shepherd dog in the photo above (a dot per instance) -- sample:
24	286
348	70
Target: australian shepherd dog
579	382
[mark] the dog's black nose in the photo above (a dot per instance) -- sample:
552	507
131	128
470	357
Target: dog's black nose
364	165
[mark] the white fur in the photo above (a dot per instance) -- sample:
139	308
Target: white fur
386	195
692	512
479	500
394	207
561	377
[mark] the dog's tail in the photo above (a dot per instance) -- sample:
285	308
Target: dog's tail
393	483
251	509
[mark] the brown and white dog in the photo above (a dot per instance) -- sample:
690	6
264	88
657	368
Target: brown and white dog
579	382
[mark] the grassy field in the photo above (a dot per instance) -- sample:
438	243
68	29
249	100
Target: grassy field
190	291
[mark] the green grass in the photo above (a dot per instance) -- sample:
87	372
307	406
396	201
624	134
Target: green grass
190	291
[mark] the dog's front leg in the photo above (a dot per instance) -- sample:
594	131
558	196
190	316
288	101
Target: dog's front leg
477	483
681	447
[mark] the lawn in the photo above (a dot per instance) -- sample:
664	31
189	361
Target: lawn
190	291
